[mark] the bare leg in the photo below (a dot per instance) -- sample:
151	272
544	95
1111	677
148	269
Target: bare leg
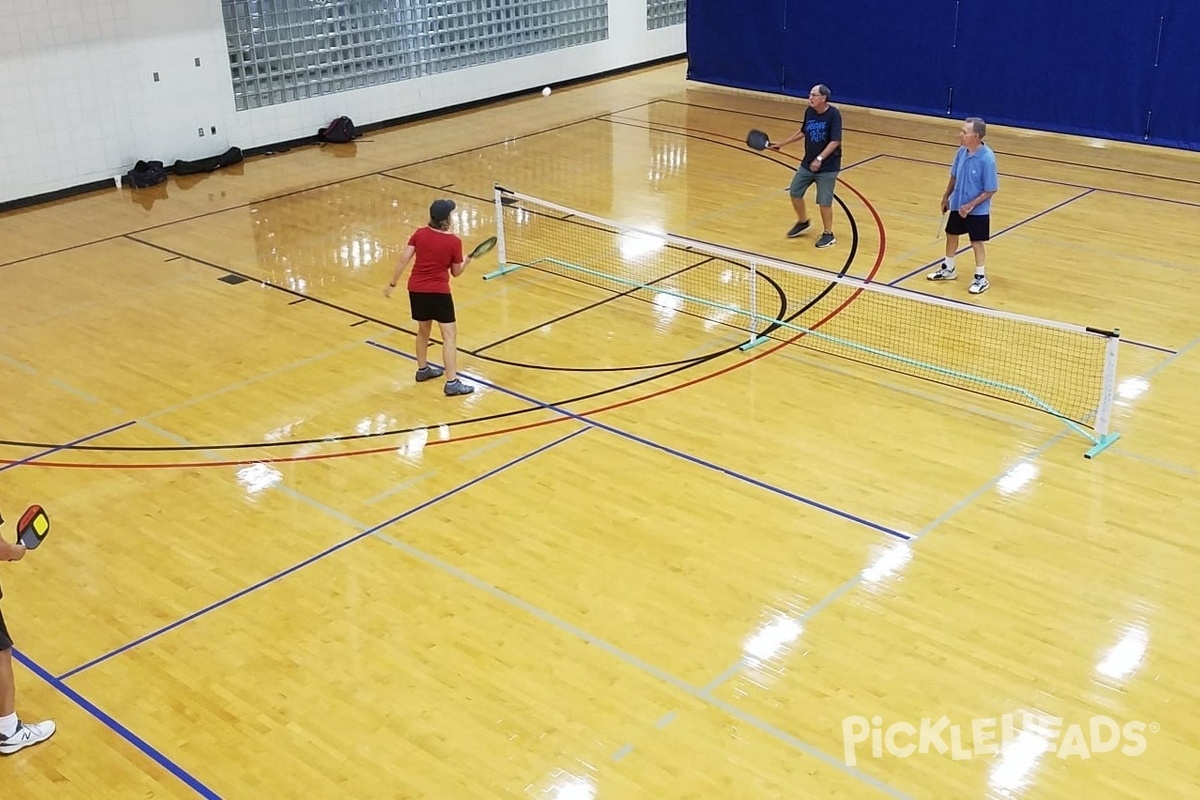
951	244
424	328
978	249
449	349
8	685
827	218
801	210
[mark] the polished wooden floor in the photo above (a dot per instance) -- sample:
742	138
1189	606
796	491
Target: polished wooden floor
279	568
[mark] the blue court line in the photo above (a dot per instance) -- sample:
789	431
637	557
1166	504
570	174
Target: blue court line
697	692
846	587
539	613
327	551
57	448
672	451
854	582
1042	213
962	503
117	727
862	161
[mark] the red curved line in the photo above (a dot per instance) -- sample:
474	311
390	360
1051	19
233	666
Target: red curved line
514	429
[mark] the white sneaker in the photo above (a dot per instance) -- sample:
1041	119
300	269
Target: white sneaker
26	735
942	273
979	285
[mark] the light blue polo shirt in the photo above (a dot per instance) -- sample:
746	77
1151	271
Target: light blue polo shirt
974	175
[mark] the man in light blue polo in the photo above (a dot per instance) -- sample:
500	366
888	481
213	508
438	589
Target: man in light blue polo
968	198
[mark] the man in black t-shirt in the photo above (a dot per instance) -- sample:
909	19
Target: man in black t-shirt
822	134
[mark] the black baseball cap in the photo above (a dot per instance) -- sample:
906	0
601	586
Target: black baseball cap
439	210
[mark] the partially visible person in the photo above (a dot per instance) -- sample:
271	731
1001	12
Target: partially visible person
822	134
14	734
436	254
968	198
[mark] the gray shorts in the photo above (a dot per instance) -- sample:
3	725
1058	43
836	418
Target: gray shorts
824	180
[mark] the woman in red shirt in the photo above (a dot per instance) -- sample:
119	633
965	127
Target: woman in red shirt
438	255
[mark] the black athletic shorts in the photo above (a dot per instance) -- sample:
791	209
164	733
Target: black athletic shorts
5	640
977	226
431	306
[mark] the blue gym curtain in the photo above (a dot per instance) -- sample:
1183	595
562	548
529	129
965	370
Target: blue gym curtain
1117	70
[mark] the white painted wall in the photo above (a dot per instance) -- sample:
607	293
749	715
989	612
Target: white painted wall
78	102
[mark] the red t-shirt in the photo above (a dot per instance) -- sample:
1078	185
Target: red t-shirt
436	251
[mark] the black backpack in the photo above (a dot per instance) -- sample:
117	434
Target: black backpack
230	157
340	131
146	173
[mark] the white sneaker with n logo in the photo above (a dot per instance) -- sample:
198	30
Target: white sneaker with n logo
26	735
942	273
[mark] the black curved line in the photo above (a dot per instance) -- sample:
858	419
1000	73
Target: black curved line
783	301
453	423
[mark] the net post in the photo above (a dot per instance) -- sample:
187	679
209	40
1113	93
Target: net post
1108	388
752	324
498	193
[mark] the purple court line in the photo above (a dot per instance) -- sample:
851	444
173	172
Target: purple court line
1042	213
117	727
1069	185
677	453
57	448
79	699
312	559
702	694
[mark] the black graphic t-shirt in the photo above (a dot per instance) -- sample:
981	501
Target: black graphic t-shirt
820	130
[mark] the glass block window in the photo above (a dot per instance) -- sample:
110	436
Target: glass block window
664	13
284	50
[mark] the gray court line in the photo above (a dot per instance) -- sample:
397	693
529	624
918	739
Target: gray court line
633	437
194	399
1042	213
699	693
21	365
491	444
1030	179
322	554
256	378
69	389
399	487
962	503
510	599
1102	252
1150	373
89	707
63	311
664	721
628	658
429	473
1153	462
854	582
